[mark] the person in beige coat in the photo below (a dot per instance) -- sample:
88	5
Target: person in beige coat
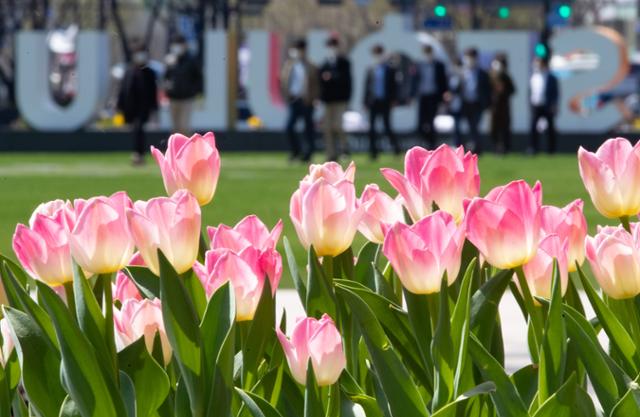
299	82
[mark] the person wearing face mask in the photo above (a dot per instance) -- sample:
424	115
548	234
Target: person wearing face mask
299	85
380	90
182	83
502	91
431	85
476	97
137	99
453	98
544	96
335	93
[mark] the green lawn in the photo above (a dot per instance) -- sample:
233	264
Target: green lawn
257	183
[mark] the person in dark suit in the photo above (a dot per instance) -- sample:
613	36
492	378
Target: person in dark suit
544	94
502	91
137	99
476	97
380	94
431	86
335	93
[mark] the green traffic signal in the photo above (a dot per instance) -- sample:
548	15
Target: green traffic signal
440	10
564	11
541	50
504	12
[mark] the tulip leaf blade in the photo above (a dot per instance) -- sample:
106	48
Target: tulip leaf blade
257	406
320	295
312	401
69	408
460	325
442	350
554	344
146	281
629	404
261	331
216	323
40	364
526	382
484	306
364	267
150	381
181	324
356	394
399	389
451	409
620	339
83	377
128	393
505	398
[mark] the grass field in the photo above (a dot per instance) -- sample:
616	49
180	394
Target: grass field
249	183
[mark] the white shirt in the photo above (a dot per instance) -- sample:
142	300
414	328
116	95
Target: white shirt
297	80
538	85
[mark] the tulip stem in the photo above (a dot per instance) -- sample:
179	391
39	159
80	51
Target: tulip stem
625	223
535	316
71	299
107	310
327	266
244	327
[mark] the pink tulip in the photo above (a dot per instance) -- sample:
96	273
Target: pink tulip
539	270
124	288
52	208
243	270
330	171
444	176
505	225
614	256
141	318
325	215
420	254
171	224
380	213
251	232
611	175
569	223
190	163
100	240
318	340
43	248
7	341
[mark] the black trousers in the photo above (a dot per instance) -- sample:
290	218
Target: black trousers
501	129
298	109
537	113
381	109
472	113
139	137
427	110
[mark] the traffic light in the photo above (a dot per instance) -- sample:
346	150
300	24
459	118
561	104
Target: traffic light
440	10
564	11
504	12
541	50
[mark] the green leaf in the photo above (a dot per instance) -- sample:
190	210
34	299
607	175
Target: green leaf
628	406
554	344
363	270
343	265
196	291
147	282
320	296
82	375
216	323
299	284
222	385
69	408
460	325
570	400
258	407
19	273
619	338
443	352
526	382
312	402
356	394
181	324
484	306
128	393
505	398
261	331
148	377
40	364
400	391
451	409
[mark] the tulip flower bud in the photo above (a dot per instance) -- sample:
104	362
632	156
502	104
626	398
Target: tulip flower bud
100	241
505	225
190	163
124	288
420	254
611	175
171	224
318	340
141	318
568	223
444	176
380	212
614	256
538	271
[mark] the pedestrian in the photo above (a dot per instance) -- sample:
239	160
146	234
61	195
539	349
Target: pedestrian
453	98
379	98
137	99
502	91
182	83
335	93
299	83
544	94
476	97
431	84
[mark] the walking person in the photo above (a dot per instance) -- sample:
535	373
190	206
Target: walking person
300	85
502	91
335	93
544	95
431	84
138	99
182	83
476	97
453	98
379	98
